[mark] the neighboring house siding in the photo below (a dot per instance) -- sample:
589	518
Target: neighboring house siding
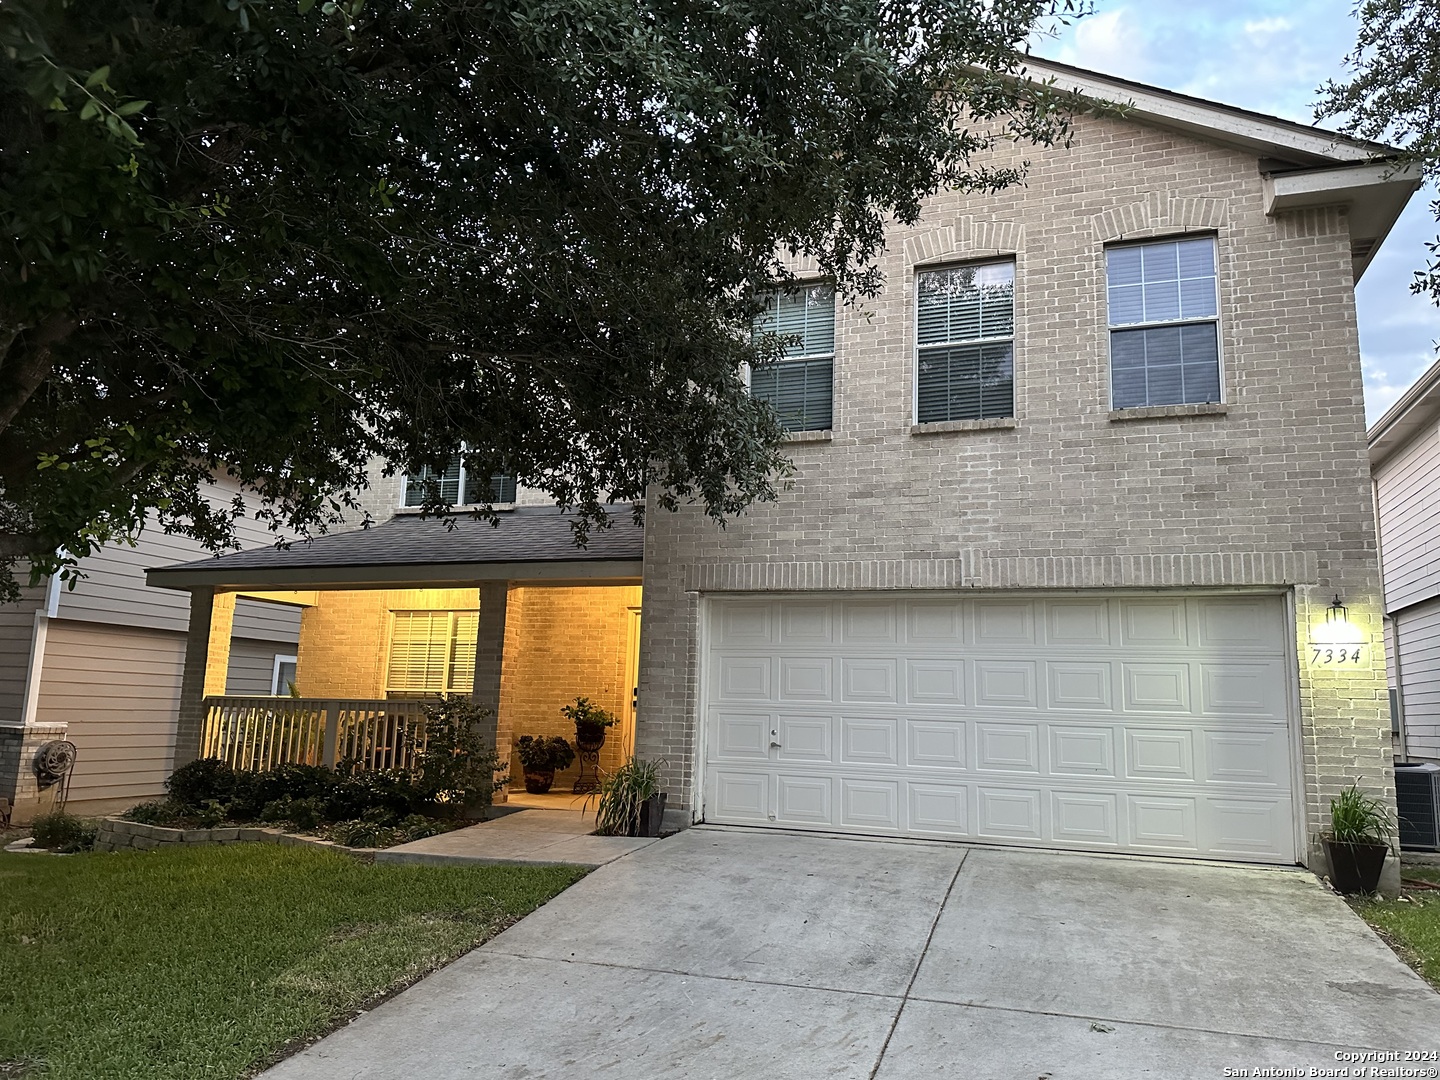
1272	491
17	633
118	689
1407	490
1419	634
266	621
252	666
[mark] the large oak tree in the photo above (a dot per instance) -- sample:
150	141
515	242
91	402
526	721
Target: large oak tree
280	238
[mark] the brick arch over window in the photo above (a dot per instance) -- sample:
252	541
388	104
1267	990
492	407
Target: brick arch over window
1157	214
968	238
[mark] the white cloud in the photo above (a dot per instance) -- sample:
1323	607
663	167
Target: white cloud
1263	28
1380	391
1110	42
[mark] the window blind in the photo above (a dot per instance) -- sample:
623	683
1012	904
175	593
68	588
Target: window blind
432	652
799	388
965	326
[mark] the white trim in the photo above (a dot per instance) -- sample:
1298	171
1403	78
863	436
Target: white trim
1012	259
1295	705
34	669
281	658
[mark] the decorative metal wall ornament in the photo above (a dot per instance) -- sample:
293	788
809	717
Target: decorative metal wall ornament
53	763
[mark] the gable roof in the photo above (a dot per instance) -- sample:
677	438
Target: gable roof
1302	166
529	542
1417	410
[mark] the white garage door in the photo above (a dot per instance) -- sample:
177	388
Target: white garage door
1124	723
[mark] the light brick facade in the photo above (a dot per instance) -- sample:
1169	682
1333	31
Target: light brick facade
1268	490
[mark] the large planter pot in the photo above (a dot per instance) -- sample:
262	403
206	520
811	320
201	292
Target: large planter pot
1355	868
538	781
590	737
652	814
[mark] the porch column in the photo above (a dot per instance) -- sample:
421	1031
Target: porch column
489	660
207	662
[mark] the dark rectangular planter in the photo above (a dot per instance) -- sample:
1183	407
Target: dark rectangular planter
652	813
1355	868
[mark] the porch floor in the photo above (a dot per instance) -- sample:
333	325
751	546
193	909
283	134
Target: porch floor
551	828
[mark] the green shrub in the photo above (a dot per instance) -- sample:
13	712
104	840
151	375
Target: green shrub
1356	818
202	780
456	773
372	831
303	814
391	791
166	813
64	832
621	794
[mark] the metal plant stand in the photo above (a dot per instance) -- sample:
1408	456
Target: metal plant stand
589	745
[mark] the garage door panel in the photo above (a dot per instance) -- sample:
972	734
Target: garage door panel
806	678
869	740
1078	623
1110	722
935	681
803	800
934	744
938	809
1243	689
1085	817
1082	751
1149	625
1007	747
868	679
806	738
1158	754
1009	813
1155	687
1080	685
741	735
1005	684
872	805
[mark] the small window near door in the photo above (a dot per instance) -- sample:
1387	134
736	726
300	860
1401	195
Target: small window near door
282	680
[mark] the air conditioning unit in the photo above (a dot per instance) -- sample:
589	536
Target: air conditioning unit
1417	801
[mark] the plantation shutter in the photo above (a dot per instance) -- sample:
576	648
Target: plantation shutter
432	652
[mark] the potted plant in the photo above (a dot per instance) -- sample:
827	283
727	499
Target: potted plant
590	723
631	802
540	756
1361	829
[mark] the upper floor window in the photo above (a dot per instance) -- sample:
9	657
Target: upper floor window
432	652
456	481
800	388
1164	329
965	330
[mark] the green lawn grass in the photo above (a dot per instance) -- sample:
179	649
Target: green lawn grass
1412	922
209	961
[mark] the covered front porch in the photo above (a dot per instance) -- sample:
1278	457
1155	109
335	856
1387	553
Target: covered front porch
514	615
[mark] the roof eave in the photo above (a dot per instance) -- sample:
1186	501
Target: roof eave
398	575
1417	410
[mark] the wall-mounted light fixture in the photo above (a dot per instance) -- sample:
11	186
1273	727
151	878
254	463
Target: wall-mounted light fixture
1337	612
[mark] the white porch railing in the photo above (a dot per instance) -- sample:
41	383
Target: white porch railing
258	733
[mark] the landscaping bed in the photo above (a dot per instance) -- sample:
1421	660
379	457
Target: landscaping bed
1410	924
216	960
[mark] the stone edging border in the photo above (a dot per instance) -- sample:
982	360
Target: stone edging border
117	834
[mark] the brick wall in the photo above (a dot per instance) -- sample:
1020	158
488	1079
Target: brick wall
1271	489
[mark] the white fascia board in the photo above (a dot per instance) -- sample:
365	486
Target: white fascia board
1265	136
1342	186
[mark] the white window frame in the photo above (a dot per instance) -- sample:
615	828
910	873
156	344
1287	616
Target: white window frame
280	658
1014	338
405	491
1217	318
831	355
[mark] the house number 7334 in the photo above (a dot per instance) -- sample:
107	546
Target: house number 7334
1331	654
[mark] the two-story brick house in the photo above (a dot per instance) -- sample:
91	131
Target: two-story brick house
1079	551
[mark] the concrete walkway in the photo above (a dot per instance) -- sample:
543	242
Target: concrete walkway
544	830
729	954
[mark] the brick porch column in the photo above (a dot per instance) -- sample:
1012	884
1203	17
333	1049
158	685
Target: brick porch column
207	662
489	663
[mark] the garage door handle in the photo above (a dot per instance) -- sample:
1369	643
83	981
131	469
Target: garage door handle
774	738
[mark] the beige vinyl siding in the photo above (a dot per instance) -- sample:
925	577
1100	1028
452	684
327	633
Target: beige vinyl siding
118	688
113	590
1407	488
263	620
252	666
17	631
1418	630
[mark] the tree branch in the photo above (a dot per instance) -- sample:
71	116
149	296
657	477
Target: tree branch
19	380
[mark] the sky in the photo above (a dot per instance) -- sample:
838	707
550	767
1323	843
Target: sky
1270	56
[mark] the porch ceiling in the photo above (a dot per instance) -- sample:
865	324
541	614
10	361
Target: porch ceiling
529	544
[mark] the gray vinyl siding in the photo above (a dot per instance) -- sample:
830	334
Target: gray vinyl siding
1407	488
113	589
252	666
265	620
119	690
17	631
1418	630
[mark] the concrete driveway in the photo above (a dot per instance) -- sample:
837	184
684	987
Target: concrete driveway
729	954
